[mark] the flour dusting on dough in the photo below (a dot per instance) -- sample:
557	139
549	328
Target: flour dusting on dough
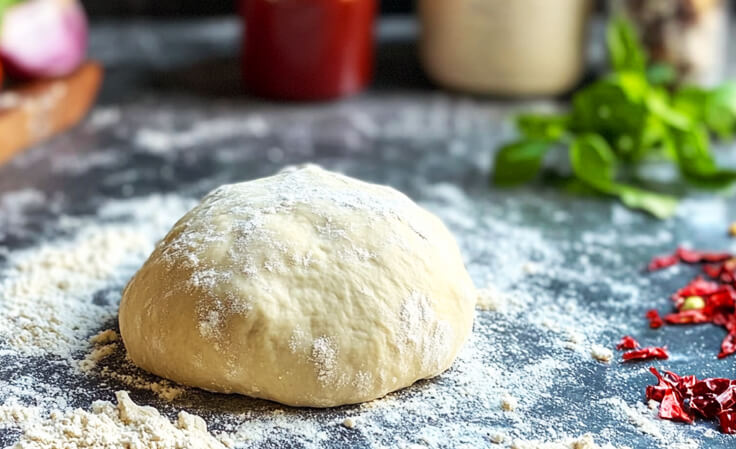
324	357
416	317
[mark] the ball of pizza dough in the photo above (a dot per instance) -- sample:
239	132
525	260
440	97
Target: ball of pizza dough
307	288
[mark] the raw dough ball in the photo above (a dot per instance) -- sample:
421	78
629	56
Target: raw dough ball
307	288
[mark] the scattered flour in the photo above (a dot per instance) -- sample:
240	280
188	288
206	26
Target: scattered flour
489	298
350	423
645	420
104	337
105	344
509	403
13	414
110	426
159	141
48	292
15	207
497	438
585	442
162	388
601	353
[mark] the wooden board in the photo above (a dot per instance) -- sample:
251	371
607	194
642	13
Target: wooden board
41	109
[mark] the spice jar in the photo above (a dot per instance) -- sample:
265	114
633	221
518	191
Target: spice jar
307	49
508	47
691	35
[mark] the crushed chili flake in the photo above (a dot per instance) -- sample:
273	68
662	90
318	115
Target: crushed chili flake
727	421
692	256
627	342
687	256
682	398
659	263
655	321
703	300
648	353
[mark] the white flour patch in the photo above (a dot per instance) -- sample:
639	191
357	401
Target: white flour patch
107	425
162	141
49	292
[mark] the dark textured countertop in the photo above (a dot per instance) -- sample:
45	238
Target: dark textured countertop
172	123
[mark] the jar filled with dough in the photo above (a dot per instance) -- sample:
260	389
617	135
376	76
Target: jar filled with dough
690	35
519	47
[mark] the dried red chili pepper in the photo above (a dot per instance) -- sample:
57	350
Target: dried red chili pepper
648	353
701	300
688	317
671	408
687	256
713	270
627	343
659	263
682	397
655	321
692	256
728	346
697	287
727	421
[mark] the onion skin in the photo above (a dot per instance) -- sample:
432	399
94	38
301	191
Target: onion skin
43	38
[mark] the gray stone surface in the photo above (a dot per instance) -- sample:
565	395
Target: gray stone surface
172	120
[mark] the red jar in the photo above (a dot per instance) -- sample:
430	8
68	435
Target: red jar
307	49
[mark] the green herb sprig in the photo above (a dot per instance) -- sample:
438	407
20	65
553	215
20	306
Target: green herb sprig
630	115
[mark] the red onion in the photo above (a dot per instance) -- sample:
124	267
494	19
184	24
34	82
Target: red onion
43	38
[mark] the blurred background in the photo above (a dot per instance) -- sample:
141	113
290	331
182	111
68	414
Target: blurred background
103	8
650	80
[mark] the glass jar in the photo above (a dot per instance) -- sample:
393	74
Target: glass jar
307	49
691	35
508	47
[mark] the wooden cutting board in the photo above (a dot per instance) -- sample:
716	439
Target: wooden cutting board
38	110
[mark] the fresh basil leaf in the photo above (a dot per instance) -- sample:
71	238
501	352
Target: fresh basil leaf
655	138
725	95
658	102
696	161
542	127
720	110
720	120
660	74
624	50
519	162
693	151
633	85
659	205
718	178
605	108
624	118
593	161
715	108
691	101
